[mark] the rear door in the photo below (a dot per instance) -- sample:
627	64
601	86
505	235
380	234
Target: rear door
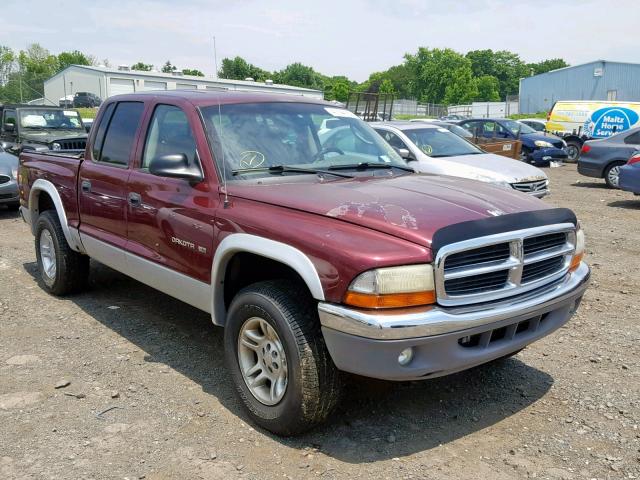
171	220
102	188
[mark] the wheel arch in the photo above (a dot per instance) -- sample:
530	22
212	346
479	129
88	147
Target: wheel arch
239	243
51	198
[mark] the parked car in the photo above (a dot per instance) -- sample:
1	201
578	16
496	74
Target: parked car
314	258
9	180
86	100
453	118
66	102
432	149
537	148
29	127
603	158
582	120
452	127
537	124
629	178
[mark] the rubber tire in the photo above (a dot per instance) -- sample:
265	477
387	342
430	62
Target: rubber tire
314	383
72	268
577	145
606	173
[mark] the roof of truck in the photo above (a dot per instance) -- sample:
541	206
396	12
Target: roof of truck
207	98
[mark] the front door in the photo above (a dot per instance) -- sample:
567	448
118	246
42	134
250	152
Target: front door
103	178
170	220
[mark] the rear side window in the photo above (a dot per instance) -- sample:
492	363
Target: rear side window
633	139
121	132
102	128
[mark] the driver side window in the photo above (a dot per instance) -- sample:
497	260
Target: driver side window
169	134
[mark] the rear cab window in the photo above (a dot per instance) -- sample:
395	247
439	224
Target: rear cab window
116	133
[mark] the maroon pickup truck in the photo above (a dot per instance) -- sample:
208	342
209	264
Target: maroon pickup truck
318	253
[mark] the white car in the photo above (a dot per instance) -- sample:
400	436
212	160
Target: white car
433	149
538	124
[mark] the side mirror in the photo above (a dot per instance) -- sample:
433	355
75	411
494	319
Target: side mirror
9	127
406	154
175	166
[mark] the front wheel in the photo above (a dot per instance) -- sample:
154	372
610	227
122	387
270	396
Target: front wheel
612	175
573	151
276	354
61	269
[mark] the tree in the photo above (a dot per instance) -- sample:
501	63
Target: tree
547	65
386	86
192	71
168	68
7	62
488	89
142	67
435	70
301	76
66	59
506	66
238	69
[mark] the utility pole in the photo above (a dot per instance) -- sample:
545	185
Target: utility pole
20	82
215	56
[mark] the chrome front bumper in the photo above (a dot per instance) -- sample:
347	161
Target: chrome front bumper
437	320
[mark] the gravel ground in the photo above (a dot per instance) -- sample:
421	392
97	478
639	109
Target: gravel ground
125	382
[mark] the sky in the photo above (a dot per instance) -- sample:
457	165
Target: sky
335	37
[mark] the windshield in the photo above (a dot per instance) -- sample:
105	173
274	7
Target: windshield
461	132
515	126
251	137
439	142
48	118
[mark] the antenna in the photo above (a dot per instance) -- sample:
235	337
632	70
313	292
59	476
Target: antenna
226	203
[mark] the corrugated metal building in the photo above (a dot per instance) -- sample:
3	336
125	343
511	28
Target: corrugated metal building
599	80
105	82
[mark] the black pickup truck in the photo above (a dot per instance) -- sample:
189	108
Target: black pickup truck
41	128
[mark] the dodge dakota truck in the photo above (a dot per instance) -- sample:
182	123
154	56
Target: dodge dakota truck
315	259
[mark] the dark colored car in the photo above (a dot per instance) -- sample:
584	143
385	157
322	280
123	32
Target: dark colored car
86	100
315	258
537	148
41	128
629	178
603	158
9	180
452	127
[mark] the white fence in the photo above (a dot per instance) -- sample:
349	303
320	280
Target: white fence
485	109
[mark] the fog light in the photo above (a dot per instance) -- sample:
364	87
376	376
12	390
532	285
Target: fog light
405	356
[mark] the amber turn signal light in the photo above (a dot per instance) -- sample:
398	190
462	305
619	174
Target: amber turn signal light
392	300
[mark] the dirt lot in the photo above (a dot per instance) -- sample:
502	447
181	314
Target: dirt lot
567	407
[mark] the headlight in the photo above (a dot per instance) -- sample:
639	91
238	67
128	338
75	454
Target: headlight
56	146
543	144
392	287
14	173
579	253
493	181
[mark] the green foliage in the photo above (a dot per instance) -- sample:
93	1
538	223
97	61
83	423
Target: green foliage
168	67
300	75
488	89
192	71
87	112
66	59
506	66
238	69
386	86
518	116
547	65
142	67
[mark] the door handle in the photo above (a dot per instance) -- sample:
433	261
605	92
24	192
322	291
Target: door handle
135	199
86	186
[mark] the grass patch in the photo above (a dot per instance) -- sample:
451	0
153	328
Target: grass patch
404	116
88	112
518	116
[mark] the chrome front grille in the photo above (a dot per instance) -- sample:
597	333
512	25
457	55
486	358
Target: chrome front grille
505	264
537	186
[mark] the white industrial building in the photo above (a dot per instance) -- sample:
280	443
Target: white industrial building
106	82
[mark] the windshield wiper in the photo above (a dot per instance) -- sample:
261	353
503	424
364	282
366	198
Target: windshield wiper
285	168
367	165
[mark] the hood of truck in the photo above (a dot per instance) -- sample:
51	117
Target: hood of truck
48	136
493	167
412	207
